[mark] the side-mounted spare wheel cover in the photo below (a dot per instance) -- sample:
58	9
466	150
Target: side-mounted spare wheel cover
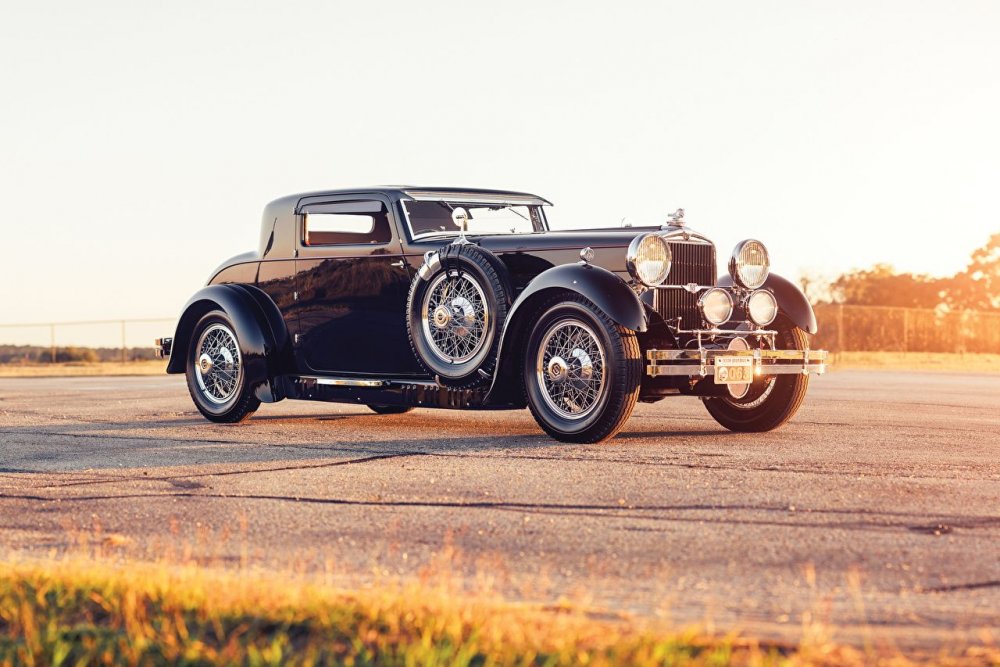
456	309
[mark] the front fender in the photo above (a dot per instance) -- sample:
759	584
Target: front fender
257	341
791	301
606	290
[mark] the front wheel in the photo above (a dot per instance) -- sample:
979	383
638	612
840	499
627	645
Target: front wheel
215	373
581	372
773	399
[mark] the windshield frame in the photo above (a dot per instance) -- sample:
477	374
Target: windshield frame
473	201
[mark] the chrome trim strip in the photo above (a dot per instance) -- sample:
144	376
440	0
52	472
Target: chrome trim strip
696	355
684	235
787	369
694	288
340	382
370	384
724	332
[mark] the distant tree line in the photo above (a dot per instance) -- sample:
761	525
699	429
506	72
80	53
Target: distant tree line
35	354
975	288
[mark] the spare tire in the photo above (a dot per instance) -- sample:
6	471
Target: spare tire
455	312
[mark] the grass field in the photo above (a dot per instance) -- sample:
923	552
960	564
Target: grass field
80	613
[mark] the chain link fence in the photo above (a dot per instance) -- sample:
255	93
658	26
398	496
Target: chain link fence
886	329
841	329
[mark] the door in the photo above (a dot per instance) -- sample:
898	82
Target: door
352	283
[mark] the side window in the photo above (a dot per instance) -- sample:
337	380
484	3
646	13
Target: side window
349	222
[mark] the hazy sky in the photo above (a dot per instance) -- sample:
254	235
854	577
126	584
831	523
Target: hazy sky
141	140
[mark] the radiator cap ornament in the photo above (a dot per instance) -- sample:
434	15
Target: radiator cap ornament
677	218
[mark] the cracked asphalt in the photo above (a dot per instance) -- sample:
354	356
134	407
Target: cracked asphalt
875	513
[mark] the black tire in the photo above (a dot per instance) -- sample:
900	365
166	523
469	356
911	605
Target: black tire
390	409
219	402
772	400
579	321
470	271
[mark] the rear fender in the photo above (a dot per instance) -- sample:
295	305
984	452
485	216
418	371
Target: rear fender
260	346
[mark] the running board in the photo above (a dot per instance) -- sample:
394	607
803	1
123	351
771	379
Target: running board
385	391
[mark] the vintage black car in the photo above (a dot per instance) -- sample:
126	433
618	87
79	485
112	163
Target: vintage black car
403	297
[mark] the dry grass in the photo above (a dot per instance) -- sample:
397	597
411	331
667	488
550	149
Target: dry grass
79	612
78	369
917	361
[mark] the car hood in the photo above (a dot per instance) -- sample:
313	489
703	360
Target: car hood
560	247
575	238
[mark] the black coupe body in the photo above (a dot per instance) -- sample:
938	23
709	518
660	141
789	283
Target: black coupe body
403	297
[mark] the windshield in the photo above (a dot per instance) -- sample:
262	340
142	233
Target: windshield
429	218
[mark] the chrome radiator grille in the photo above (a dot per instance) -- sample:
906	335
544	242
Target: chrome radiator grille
692	263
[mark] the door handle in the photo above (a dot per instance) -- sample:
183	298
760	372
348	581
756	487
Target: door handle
400	264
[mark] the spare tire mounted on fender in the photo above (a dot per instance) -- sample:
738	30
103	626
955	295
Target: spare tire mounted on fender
455	312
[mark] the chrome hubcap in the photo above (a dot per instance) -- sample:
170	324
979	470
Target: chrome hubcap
219	363
570	369
205	364
558	370
455	317
442	318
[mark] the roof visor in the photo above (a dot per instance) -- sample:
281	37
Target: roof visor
477	197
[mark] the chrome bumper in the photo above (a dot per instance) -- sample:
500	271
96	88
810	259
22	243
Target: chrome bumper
766	362
162	347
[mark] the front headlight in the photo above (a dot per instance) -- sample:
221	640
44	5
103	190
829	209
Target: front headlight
761	307
716	305
648	259
749	264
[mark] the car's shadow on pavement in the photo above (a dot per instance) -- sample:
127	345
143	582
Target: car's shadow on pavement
151	440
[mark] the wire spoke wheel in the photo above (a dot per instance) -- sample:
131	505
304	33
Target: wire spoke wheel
455	317
582	371
772	399
218	364
756	397
758	391
570	369
455	312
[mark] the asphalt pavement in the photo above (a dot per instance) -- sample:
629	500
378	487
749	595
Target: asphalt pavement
875	513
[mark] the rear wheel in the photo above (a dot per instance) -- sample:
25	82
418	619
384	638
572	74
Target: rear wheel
772	399
215	374
581	372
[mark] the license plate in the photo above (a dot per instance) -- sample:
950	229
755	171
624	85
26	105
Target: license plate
733	370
